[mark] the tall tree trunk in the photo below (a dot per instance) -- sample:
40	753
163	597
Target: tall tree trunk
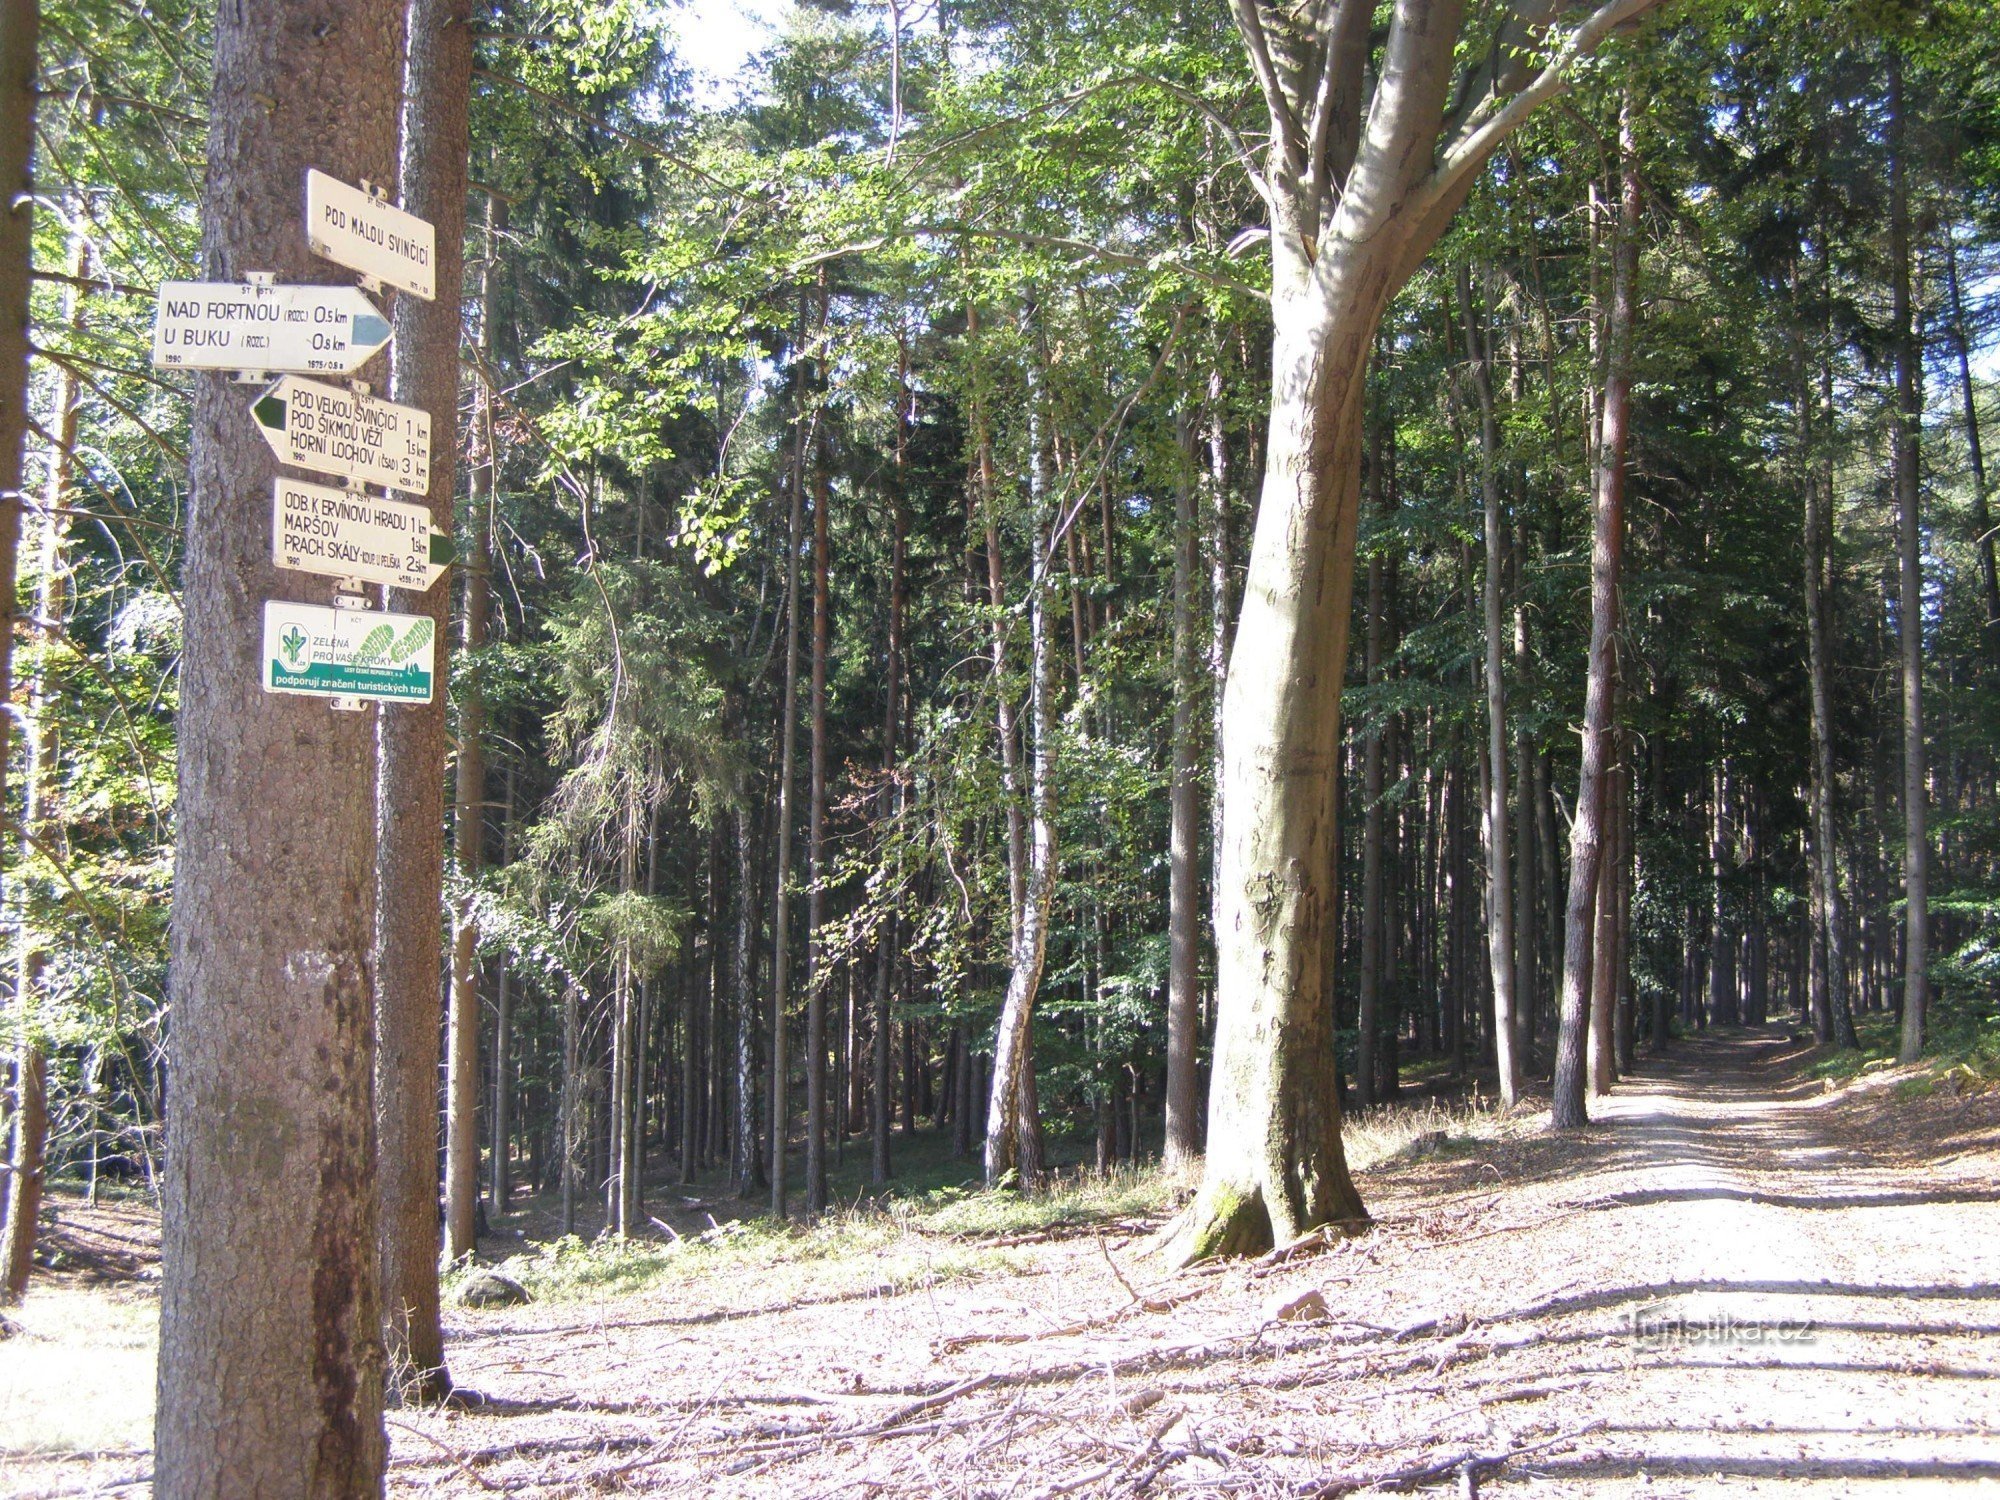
275	1388
499	1176
781	923
1910	578
1183	1128
1359	190
1367	1068
410	749
1586	843
20	23
1982	518
892	715
569	1122
41	825
1013	1125
817	978
1602	1049
1499	888
468	813
1832	1019
745	1168
1723	1009
1221	610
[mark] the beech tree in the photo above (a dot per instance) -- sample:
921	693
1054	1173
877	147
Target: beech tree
1371	152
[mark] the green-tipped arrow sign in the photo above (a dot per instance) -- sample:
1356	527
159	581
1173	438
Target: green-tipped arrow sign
311	425
347	534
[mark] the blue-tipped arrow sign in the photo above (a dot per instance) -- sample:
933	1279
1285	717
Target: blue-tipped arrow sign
219	325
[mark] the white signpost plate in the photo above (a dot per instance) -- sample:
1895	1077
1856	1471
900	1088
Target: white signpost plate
220	325
370	235
332	431
348	653
316	528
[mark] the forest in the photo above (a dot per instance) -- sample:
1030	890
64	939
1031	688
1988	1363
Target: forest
1112	701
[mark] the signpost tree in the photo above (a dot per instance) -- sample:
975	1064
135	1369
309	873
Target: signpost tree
271	1378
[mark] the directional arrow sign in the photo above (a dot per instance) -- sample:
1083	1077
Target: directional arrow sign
331	431
370	235
345	534
217	325
348	653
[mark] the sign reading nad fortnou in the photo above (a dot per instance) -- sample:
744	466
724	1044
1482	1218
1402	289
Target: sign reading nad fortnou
348	653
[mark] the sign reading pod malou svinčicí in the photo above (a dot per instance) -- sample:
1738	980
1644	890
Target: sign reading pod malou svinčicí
371	235
349	653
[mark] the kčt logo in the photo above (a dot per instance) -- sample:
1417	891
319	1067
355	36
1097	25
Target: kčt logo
293	643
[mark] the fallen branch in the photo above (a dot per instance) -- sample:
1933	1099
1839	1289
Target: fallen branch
1476	1465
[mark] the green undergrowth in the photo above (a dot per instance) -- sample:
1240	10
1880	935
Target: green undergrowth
1962	1051
912	1237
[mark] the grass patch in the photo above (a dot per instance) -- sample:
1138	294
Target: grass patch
1396	1134
895	1243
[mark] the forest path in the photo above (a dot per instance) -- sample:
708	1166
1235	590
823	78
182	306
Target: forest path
1737	1281
1797	1299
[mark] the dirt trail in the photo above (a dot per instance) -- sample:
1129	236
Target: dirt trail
1734	1282
1794	1301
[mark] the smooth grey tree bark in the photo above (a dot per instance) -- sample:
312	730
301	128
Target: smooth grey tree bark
271	1363
1369	156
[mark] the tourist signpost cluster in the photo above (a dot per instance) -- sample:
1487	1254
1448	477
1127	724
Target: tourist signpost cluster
352	653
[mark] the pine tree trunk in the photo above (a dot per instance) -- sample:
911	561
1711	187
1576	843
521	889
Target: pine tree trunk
1975	450
1367	1064
41	826
20	23
1586	846
275	1388
409	831
892	714
746	1169
817	979
1910	594
468	814
781	941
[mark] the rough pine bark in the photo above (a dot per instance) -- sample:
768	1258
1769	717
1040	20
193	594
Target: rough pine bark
271	1364
817	977
1905	481
409	821
1975	450
781	922
468	813
20	24
1586	844
41	825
